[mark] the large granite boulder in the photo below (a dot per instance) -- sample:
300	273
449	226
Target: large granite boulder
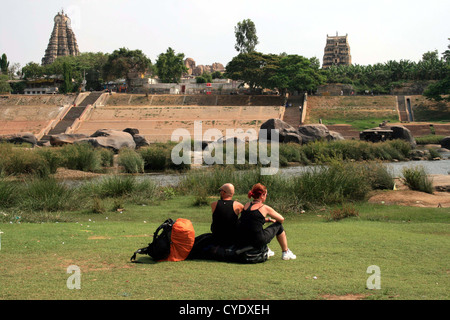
287	133
302	135
445	143
138	139
110	139
400	132
313	132
65	138
22	137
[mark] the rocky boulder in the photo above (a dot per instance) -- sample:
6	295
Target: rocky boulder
110	139
18	138
302	135
63	138
400	132
445	143
313	132
138	139
287	133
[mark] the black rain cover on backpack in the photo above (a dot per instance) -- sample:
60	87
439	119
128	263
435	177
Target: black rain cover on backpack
159	249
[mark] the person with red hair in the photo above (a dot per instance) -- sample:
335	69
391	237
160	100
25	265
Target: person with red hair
255	214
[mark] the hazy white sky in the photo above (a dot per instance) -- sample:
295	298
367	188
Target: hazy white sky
379	30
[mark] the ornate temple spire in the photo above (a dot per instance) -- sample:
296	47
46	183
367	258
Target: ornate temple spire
62	40
337	51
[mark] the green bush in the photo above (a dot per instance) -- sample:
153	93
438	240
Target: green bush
378	176
155	158
145	192
47	195
321	151
15	161
107	157
114	186
81	156
131	161
333	184
430	139
52	157
158	157
9	193
319	185
417	179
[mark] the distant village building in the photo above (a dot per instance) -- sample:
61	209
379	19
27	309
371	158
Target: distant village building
337	51
62	40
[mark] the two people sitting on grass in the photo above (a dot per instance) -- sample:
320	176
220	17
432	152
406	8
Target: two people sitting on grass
234	223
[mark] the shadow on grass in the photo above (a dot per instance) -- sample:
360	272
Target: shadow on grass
149	260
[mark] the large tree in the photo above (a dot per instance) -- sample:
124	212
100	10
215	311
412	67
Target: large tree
4	85
170	66
446	53
253	68
32	70
4	64
87	65
67	85
124	61
297	73
287	73
246	38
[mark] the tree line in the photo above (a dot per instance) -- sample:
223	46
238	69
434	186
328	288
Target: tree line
98	68
284	73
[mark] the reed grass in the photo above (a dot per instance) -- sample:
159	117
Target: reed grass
416	178
319	185
429	139
16	161
47	195
131	161
82	157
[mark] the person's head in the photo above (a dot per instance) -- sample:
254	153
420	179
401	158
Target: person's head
226	191
258	192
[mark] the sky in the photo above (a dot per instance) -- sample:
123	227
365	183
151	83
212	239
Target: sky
378	30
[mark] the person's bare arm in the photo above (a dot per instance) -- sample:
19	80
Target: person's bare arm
272	214
213	206
238	207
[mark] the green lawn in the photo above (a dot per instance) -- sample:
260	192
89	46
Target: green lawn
409	245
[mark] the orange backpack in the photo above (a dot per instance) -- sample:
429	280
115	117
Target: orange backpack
174	243
182	240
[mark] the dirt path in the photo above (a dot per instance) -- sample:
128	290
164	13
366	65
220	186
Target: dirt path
405	197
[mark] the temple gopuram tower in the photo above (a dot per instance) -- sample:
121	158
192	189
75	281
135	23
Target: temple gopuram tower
337	51
62	40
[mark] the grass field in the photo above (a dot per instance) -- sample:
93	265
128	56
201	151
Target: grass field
409	245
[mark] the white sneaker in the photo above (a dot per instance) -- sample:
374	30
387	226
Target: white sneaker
288	255
270	253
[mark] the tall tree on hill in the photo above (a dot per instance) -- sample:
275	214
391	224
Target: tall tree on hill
170	66
4	64
440	90
297	73
446	53
246	38
67	86
122	62
253	68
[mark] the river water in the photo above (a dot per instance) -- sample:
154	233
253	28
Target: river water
441	167
438	167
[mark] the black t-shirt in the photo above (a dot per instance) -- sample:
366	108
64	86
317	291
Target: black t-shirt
224	223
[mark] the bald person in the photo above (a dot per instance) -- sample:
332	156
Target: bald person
225	214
